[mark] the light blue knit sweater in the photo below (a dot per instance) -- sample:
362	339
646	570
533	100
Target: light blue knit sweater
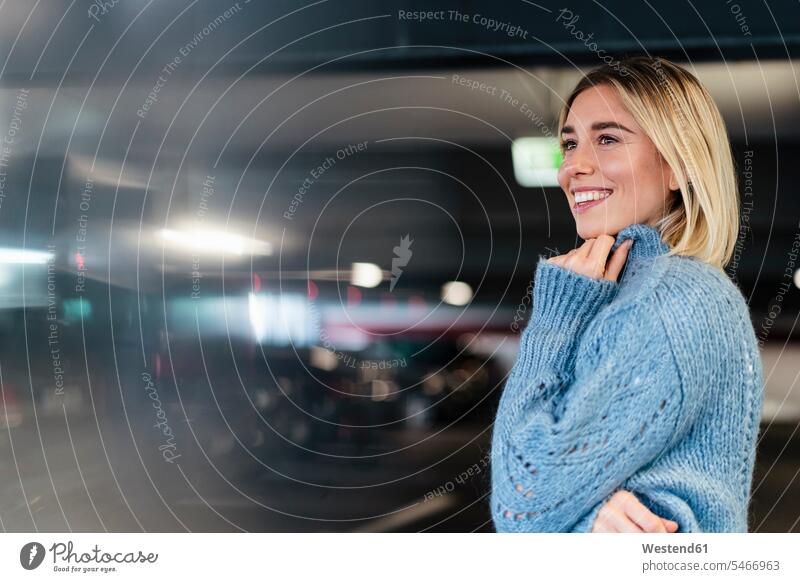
652	384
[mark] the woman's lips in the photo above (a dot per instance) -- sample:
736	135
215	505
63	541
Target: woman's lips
581	207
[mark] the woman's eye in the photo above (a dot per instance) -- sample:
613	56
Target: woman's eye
569	144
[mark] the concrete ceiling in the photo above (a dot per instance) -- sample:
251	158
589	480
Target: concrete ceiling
758	100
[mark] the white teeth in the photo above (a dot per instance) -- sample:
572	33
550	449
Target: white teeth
591	195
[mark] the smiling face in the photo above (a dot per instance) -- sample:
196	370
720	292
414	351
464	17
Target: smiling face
609	159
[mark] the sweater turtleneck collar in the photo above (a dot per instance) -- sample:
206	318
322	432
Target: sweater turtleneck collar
647	241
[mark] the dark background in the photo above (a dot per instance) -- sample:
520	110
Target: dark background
271	436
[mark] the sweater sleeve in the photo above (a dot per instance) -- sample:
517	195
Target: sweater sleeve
564	303
586	523
554	466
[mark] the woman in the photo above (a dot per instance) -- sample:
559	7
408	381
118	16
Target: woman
635	400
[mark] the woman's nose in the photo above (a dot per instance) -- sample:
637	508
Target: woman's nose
581	161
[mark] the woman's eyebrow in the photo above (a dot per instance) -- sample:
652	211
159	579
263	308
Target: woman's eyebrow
597	126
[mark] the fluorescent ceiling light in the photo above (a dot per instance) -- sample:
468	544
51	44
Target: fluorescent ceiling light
26	256
366	275
215	241
456	293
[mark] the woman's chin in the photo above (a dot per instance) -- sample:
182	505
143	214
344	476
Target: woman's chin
593	231
594	226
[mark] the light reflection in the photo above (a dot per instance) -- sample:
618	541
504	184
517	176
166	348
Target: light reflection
215	241
24	256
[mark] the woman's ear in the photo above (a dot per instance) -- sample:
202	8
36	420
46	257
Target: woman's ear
673	181
669	173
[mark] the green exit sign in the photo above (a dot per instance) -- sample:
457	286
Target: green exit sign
536	161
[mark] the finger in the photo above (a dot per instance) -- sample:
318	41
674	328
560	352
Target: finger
600	249
617	521
572	260
585	248
560	259
671	526
641	515
617	261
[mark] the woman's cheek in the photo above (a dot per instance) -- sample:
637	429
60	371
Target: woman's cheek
563	178
618	169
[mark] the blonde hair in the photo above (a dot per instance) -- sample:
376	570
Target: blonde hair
682	120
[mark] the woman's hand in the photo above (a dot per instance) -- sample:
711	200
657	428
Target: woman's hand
591	258
624	513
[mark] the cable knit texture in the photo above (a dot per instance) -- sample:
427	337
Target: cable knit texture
652	384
